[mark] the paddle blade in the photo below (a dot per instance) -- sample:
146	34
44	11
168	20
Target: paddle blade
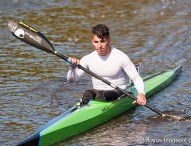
172	117
30	36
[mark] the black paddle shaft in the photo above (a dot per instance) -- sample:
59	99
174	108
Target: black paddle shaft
31	36
107	82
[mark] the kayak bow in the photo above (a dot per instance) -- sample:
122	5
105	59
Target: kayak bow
79	119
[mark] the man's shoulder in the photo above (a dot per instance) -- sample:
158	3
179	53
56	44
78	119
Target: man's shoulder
118	52
89	56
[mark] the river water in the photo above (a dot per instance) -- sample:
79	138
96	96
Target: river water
33	86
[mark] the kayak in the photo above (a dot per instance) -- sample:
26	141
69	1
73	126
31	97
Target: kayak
81	118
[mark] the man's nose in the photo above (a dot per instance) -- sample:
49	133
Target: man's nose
99	44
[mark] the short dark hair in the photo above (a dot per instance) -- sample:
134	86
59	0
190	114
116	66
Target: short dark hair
101	30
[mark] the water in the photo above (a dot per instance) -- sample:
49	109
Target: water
33	87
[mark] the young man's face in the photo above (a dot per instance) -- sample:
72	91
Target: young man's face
102	46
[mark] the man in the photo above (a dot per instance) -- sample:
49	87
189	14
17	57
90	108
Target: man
109	63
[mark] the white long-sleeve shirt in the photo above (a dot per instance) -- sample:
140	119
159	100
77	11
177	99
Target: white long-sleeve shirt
116	67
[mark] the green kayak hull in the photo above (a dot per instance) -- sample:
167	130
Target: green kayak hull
80	119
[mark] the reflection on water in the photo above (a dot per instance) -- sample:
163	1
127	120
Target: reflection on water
33	87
